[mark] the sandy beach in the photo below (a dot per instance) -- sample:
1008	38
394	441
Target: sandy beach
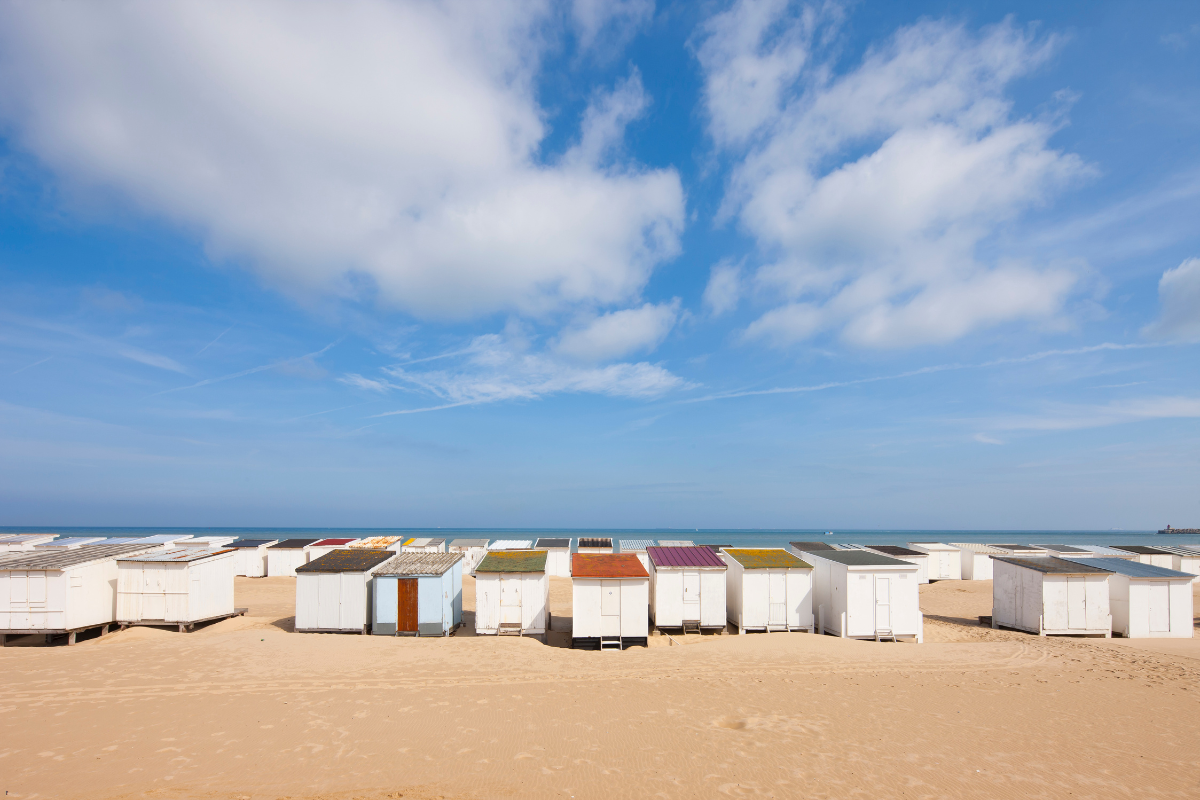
245	708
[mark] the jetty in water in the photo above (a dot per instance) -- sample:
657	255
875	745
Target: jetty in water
1169	529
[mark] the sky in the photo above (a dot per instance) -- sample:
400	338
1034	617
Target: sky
600	264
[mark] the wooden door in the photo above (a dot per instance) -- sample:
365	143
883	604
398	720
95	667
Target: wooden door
407	614
691	597
1159	597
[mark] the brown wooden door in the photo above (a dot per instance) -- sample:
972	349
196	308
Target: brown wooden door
406	605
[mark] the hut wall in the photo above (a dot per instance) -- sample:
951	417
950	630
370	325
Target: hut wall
58	599
976	566
749	595
667	595
558	561
332	601
1188	564
490	587
250	562
282	563
1151	609
175	592
610	607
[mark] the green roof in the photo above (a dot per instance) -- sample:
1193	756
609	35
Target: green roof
513	561
766	558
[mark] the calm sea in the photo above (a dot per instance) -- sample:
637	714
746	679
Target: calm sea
735	537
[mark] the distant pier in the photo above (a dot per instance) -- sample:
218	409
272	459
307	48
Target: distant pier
1169	529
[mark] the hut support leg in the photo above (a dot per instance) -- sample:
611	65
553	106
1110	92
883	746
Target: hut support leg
3	640
104	630
70	638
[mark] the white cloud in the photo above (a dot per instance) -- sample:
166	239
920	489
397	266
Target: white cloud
359	382
1179	294
724	288
985	439
501	367
869	192
620	333
611	23
1080	417
350	147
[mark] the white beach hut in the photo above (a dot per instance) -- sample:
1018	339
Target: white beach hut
906	554
418	594
24	541
767	589
1147	602
512	594
687	588
944	562
638	548
283	557
60	591
1065	550
1023	550
1184	559
178	587
1050	596
610	596
206	542
250	558
323	547
69	543
333	592
858	594
1155	556
594	544
472	550
423	545
162	541
510	544
558	556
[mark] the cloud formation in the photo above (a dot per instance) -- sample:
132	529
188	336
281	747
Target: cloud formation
361	147
620	333
869	193
1179	294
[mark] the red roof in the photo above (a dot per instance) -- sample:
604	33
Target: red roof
604	565
684	557
332	542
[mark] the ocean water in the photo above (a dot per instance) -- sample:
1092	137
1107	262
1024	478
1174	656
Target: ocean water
740	537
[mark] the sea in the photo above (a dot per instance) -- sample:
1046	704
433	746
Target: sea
733	537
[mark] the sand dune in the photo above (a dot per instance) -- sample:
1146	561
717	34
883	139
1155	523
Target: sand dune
246	709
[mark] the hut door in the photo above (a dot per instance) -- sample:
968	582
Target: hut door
610	608
1159	595
154	592
510	600
883	603
406	605
778	598
1076	602
691	597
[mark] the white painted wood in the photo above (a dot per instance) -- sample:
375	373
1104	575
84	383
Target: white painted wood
856	602
768	599
282	563
333	601
1050	604
610	607
175	592
533	591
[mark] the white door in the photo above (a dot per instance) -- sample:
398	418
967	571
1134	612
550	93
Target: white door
944	564
18	599
510	600
1076	603
610	608
883	602
154	593
691	597
777	580
329	600
1159	596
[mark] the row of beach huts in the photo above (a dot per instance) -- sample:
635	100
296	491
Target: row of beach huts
620	591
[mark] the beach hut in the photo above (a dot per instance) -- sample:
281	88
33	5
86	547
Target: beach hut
473	551
1184	559
558	556
418	594
638	548
283	557
944	562
392	543
676	543
510	544
906	554
1050	596
1147	555
1100	551
1065	550
323	547
424	545
25	541
809	547
250	558
206	542
177	587
1022	550
687	588
54	592
1147	602
716	548
333	592
858	594
512	594
69	543
159	540
767	589
610	595
595	544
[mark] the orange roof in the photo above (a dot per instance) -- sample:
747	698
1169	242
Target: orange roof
604	565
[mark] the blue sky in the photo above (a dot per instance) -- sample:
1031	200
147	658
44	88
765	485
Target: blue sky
600	264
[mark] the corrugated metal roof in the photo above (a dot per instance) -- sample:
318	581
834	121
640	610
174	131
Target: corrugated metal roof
553	543
809	546
332	542
635	545
1101	550
1133	569
183	555
423	542
894	550
607	565
511	544
374	543
676	543
25	538
1062	548
595	541
1053	566
939	546
62	559
766	558
73	541
240	543
347	561
469	543
295	544
122	540
1190	552
513	561
1019	548
861	558
163	538
1140	549
414	564
684	557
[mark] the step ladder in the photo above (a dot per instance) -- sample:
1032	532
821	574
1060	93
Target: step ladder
883	634
611	643
510	629
691	625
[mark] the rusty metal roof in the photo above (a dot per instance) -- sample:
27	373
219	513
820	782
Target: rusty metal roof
513	561
766	558
374	543
607	565
183	555
347	560
1053	566
414	564
697	557
64	559
294	544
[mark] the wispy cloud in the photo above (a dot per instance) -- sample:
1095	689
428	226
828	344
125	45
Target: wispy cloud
214	341
252	370
1078	417
95	345
30	366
